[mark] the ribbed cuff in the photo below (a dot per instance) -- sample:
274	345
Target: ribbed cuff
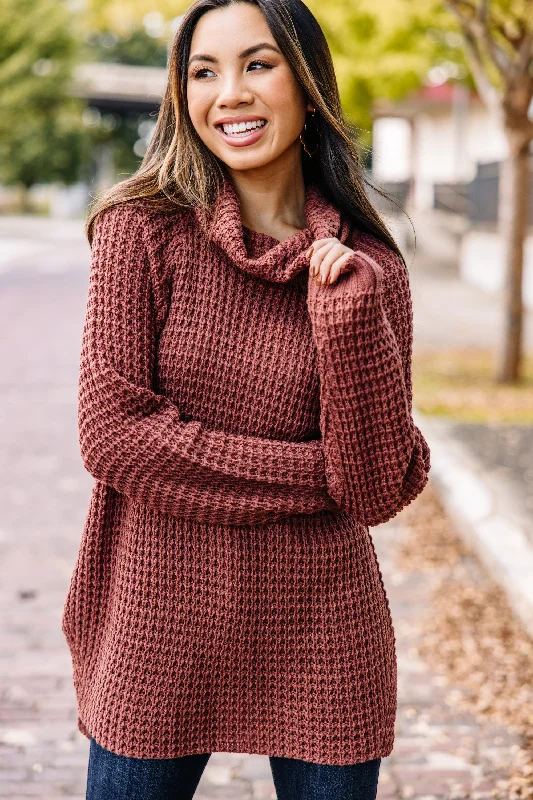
367	273
361	275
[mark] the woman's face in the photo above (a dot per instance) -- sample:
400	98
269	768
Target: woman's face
237	76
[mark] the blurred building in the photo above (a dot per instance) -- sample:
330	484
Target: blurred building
439	152
119	89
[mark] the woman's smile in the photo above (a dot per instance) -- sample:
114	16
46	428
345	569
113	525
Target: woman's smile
241	130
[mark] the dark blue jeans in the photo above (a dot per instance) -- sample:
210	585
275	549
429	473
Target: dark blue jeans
114	777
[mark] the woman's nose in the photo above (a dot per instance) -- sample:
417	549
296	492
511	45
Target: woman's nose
233	91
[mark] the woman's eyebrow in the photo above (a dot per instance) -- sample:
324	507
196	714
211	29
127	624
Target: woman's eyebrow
245	53
262	46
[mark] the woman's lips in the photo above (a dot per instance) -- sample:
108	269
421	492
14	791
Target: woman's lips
242	140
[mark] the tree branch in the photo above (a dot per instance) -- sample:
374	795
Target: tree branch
466	4
525	53
483	12
487	91
478	27
503	26
455	7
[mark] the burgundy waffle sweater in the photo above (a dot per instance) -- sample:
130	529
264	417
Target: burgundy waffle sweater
244	428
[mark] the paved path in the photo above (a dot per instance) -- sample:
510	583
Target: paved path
43	246
451	315
44	496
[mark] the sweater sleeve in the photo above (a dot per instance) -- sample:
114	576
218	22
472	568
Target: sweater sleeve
133	439
377	460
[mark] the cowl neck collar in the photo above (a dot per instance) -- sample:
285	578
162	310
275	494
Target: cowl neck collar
266	257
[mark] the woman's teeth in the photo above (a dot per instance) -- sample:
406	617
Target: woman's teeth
238	128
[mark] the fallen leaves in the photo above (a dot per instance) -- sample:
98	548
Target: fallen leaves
472	635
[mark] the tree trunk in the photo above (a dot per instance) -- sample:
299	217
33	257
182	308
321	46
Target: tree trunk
513	218
24	199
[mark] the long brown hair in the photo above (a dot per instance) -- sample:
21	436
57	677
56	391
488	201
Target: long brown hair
178	170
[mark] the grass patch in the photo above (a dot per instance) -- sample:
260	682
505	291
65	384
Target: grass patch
460	385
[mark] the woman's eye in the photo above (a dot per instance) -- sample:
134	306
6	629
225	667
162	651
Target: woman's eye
203	72
199	73
261	64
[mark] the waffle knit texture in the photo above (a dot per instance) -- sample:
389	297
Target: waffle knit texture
244	428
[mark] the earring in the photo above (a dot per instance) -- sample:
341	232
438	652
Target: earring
310	153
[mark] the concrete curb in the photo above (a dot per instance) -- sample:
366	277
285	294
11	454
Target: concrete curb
483	515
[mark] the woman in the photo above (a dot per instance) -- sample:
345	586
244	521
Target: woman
245	409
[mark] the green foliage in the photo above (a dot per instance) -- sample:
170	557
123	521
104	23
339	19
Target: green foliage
136	48
41	133
123	17
45	148
383	50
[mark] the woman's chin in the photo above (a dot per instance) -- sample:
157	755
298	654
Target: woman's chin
245	161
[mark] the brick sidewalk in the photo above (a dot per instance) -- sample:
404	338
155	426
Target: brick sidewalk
44	499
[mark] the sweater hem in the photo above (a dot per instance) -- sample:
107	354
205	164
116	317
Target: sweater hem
379	752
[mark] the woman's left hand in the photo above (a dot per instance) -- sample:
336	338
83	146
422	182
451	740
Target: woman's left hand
328	258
